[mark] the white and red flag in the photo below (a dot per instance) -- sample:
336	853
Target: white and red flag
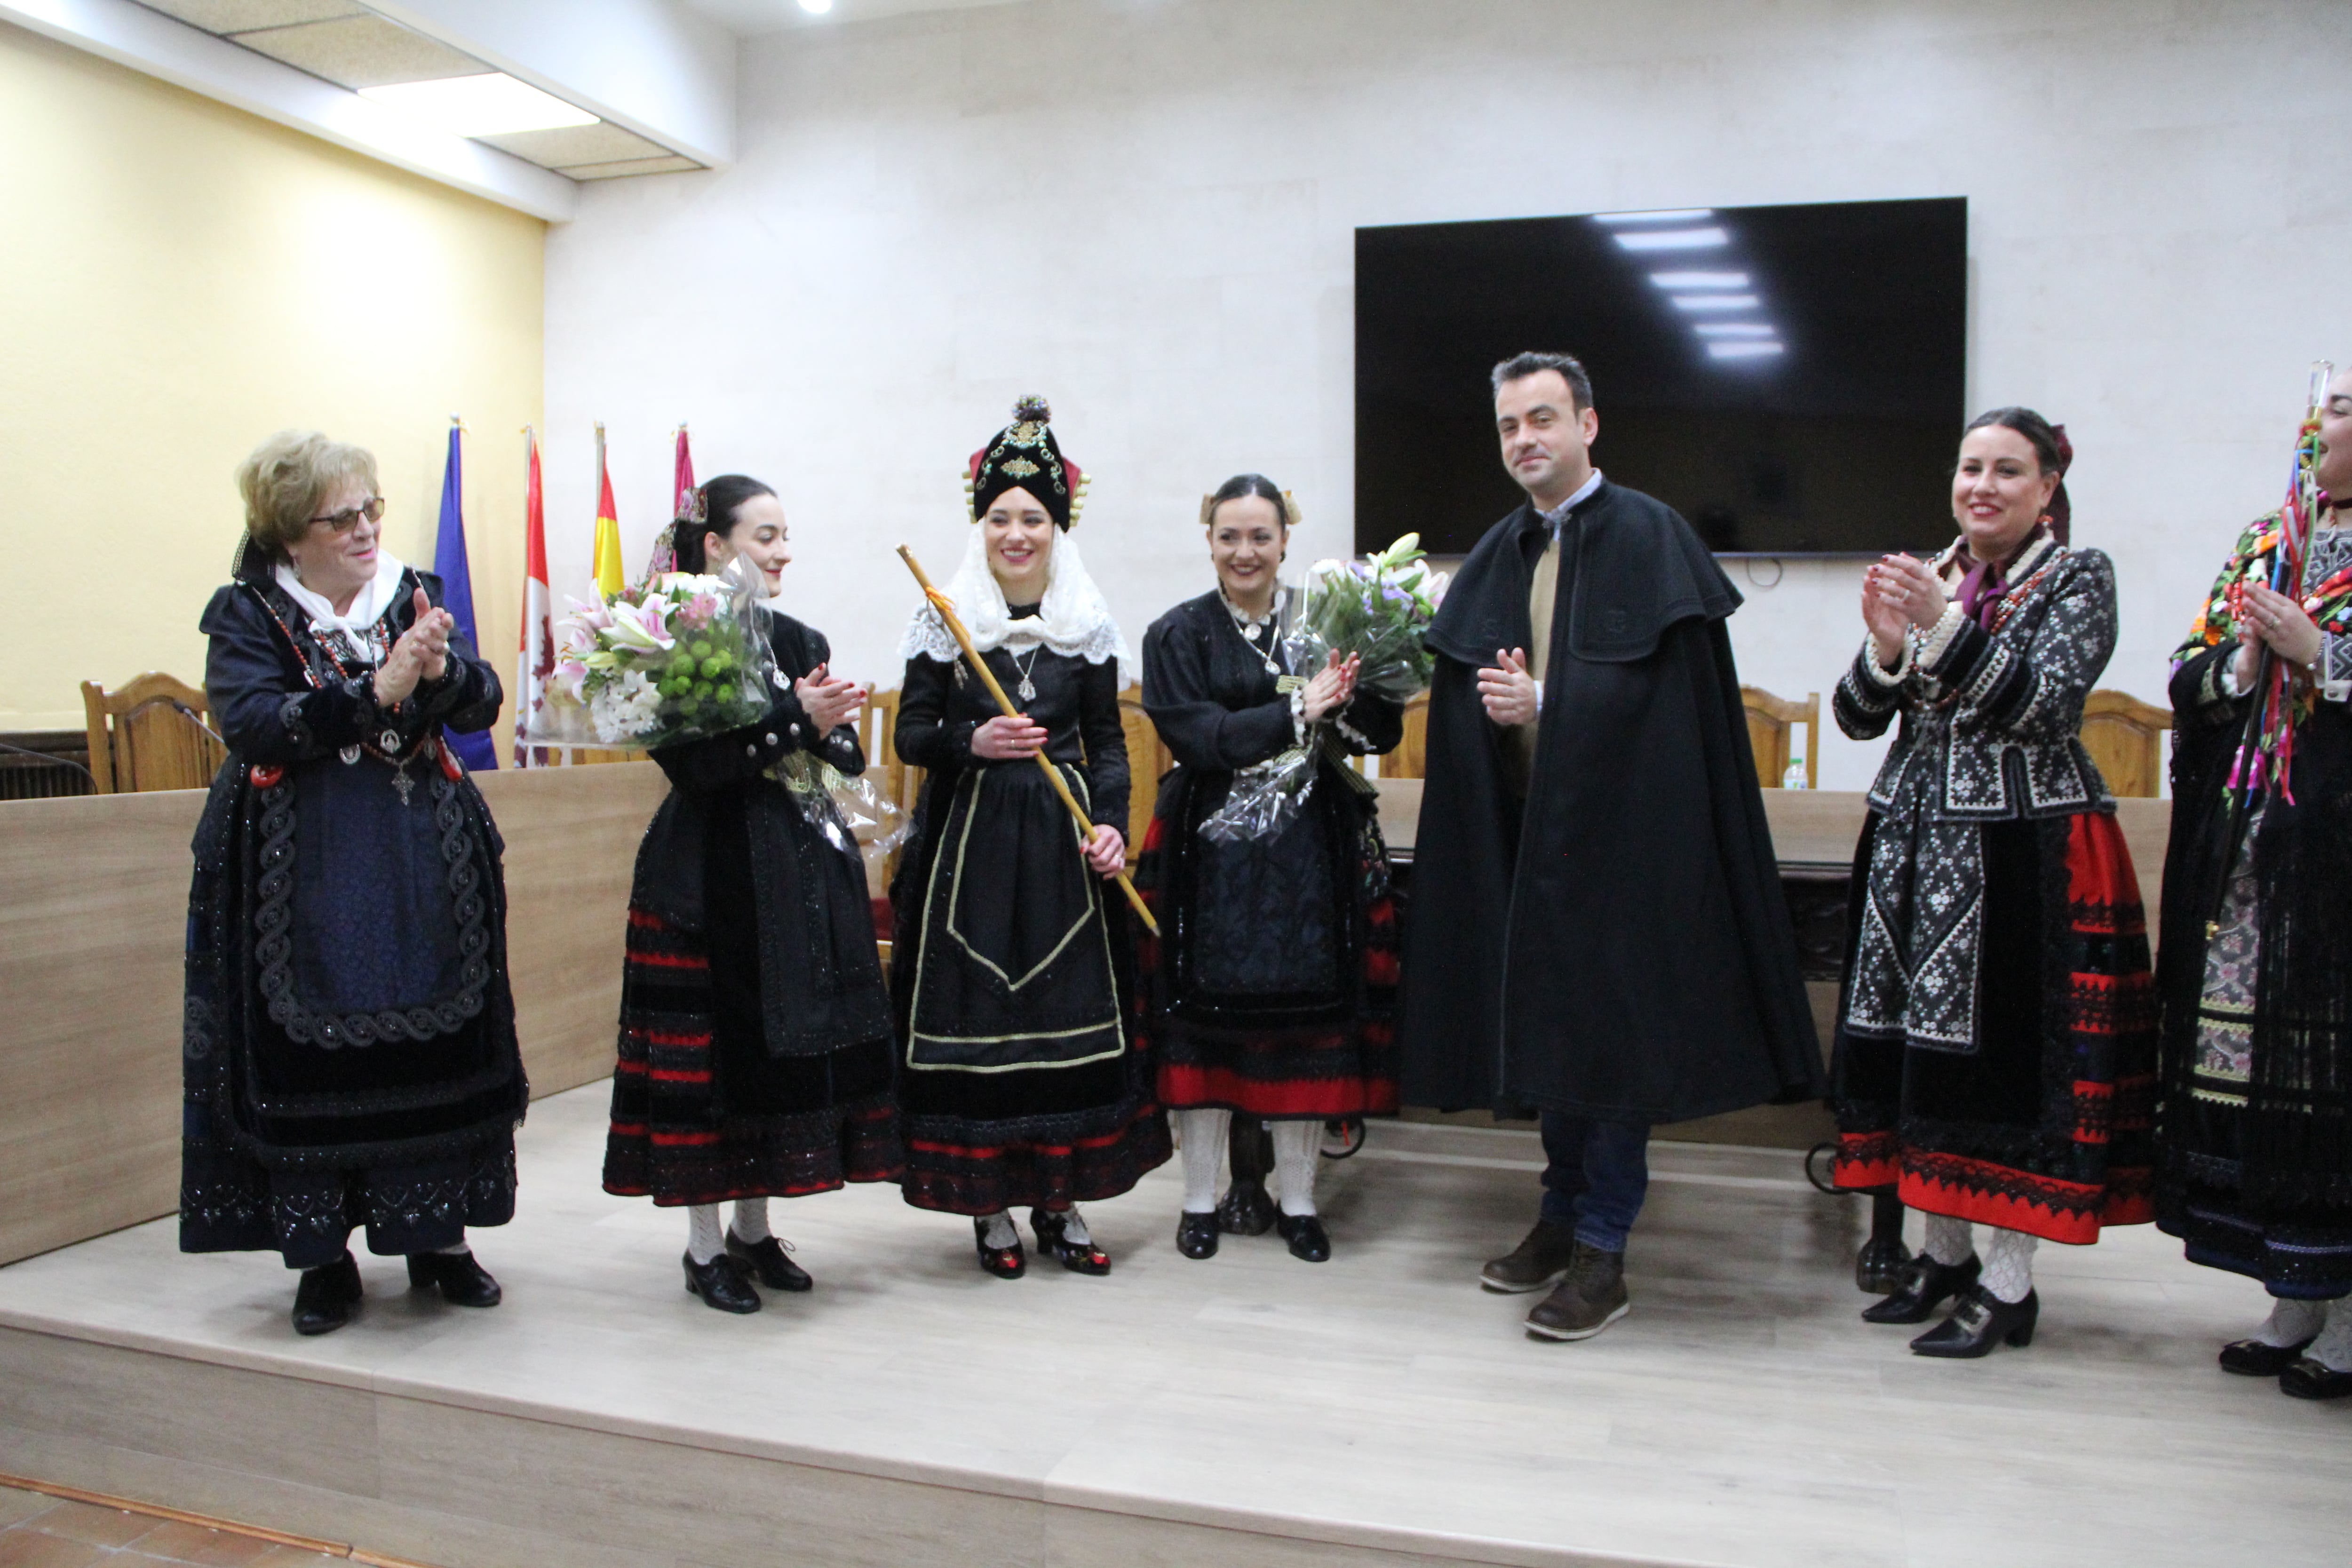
537	661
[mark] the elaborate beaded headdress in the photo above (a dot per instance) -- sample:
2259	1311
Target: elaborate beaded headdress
1025	456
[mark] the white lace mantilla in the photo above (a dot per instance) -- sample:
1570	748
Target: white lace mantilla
1073	620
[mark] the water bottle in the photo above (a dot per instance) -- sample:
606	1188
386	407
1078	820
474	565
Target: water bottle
1793	777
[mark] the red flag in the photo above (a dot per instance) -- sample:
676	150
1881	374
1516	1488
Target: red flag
537	661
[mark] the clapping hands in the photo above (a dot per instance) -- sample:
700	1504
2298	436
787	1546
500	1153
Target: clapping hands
422	653
827	701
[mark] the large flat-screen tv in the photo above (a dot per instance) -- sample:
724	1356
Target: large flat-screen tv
1788	378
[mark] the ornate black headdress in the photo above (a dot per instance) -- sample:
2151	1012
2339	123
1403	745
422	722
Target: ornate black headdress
1025	456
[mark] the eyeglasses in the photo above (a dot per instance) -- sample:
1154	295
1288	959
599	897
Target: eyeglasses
345	520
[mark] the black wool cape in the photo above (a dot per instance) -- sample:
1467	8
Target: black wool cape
1615	946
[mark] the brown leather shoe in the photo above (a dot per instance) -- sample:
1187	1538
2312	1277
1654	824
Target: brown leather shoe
1540	1260
1591	1297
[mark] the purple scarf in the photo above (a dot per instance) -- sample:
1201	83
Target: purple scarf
1982	589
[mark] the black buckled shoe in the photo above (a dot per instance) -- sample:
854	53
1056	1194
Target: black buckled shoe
1004	1262
1309	1240
2309	1379
1196	1234
463	1281
324	1296
1982	1320
766	1256
1881	1266
1053	1240
2253	1357
1928	1286
1246	1209
723	1283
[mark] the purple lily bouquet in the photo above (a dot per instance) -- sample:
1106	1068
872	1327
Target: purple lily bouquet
681	657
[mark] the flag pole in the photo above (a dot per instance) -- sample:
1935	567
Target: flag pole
946	610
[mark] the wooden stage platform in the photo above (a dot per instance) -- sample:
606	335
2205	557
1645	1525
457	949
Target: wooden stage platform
1251	1409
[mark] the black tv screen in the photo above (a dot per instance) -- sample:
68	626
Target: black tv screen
1788	378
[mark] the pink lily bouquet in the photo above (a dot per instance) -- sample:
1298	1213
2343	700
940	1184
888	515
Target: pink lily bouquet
682	657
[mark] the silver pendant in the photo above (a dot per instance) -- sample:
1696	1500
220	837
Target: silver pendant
349	754
402	784
389	740
1028	693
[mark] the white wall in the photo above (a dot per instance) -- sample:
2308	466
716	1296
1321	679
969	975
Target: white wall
1147	212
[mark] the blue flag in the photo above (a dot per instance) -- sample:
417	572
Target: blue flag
476	750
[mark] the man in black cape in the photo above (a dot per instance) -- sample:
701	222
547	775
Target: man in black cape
1597	930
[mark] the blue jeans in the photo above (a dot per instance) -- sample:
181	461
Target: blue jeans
1597	1174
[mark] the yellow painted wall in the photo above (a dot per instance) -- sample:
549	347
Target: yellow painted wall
178	279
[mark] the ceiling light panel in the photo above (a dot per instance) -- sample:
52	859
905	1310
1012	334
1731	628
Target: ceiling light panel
1700	304
360	52
243	16
1662	214
1733	329
1699	279
1744	350
491	104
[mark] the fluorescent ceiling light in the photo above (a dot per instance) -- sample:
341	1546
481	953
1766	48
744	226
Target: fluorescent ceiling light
1673	239
491	104
1696	302
1699	279
1742	350
1664	215
1732	329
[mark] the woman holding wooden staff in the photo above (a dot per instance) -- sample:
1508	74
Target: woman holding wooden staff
2255	1128
1273	983
1023	1082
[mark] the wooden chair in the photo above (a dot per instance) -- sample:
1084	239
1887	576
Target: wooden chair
1147	759
150	734
1410	758
878	729
1769	719
2125	737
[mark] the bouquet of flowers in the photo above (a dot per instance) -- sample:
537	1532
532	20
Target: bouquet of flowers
680	658
1375	610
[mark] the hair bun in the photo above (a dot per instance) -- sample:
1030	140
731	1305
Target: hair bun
1032	410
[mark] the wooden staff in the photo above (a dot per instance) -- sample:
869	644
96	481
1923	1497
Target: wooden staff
946	608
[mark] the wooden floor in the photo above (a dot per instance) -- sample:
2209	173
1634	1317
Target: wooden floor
1251	1409
40	1532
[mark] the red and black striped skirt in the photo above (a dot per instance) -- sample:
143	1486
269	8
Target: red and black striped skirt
702	1114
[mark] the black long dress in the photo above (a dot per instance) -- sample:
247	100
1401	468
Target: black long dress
1615	946
755	1050
1271	989
2255	1129
348	1051
1024	1080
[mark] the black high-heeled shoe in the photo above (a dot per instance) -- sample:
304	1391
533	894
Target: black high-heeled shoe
1980	1320
1928	1286
463	1281
722	1283
1053	1240
767	1259
324	1296
1004	1262
1196	1234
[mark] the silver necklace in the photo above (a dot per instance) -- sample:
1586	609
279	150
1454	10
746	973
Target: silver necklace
1026	690
1249	631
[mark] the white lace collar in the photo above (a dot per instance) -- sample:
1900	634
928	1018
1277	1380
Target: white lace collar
1073	618
366	609
1245	620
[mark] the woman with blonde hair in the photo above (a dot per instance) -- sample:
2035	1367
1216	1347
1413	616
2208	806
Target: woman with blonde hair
350	1059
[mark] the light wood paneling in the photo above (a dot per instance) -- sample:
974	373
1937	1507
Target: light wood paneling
93	909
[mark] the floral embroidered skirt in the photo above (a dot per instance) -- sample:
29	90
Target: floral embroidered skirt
2044	1124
